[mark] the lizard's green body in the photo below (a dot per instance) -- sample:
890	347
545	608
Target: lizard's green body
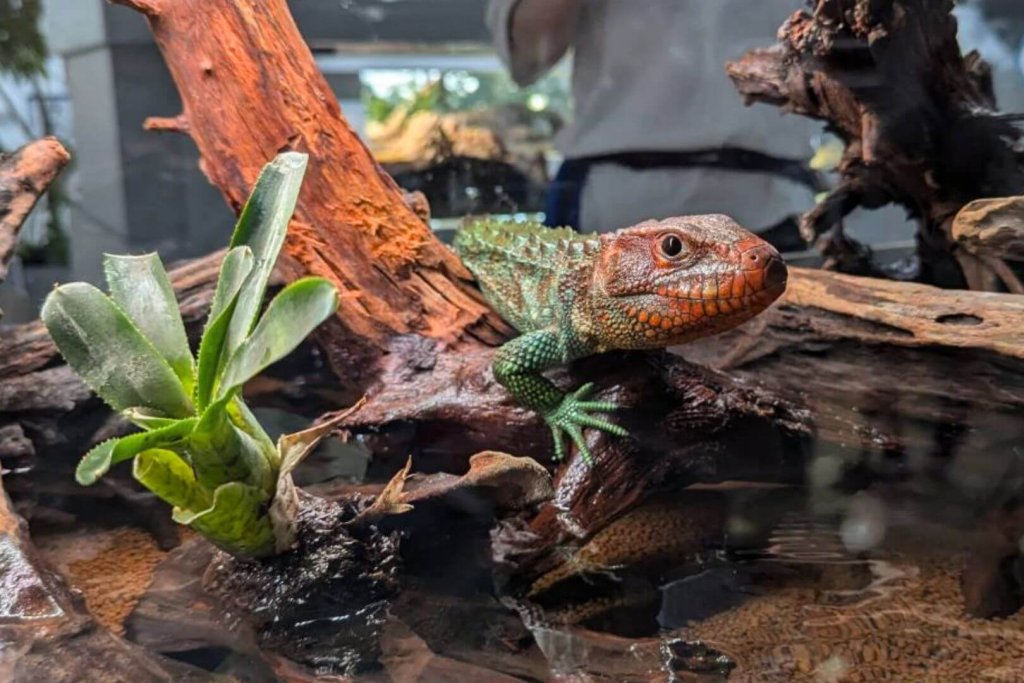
570	295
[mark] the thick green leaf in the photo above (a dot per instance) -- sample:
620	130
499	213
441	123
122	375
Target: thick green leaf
211	356
222	453
262	226
236	521
100	459
109	353
291	316
244	419
140	287
167	475
235	267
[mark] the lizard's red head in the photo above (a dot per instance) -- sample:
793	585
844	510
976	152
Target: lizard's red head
669	281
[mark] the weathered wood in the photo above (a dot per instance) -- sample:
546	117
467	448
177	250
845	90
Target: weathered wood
992	228
876	362
686	424
24	176
251	89
916	115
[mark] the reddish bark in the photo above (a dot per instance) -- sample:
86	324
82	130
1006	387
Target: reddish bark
251	89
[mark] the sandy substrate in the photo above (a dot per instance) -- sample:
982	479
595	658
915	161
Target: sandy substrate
111	568
907	624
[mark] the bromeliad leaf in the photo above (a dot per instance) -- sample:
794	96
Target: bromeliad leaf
243	418
202	450
291	316
234	270
235	267
211	355
221	452
262	226
103	346
140	417
95	463
168	476
100	459
235	521
140	287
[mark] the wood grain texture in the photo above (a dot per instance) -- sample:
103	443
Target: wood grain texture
24	176
251	89
992	227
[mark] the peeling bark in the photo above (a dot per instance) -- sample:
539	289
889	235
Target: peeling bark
250	90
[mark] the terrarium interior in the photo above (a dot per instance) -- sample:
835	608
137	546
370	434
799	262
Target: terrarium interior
518	340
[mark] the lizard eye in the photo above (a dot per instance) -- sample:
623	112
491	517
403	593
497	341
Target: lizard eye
671	246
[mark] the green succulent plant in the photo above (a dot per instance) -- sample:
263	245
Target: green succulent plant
200	449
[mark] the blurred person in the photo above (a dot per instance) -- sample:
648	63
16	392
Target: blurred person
658	128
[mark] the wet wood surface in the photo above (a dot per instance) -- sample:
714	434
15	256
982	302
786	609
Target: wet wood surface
47	633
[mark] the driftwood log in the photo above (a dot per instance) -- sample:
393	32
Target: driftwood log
918	119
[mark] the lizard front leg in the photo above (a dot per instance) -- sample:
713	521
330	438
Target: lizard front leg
518	366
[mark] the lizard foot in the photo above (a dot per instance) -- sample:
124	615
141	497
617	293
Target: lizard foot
572	415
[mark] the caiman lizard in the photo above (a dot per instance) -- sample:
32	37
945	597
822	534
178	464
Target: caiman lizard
570	295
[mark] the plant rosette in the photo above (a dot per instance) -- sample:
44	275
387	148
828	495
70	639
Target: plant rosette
200	449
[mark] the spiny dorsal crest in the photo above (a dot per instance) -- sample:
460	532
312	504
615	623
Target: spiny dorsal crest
523	242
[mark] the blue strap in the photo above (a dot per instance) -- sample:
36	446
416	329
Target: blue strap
562	206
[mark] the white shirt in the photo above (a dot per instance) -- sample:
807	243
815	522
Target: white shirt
649	75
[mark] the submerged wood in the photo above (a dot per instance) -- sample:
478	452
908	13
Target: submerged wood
330	605
47	633
917	117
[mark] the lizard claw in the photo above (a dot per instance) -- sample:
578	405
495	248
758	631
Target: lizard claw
572	414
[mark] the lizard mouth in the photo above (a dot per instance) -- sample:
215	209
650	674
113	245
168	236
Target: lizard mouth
775	274
738	292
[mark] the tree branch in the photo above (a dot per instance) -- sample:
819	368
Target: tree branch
24	177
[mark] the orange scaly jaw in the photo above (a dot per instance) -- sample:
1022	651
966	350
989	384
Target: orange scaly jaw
667	282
